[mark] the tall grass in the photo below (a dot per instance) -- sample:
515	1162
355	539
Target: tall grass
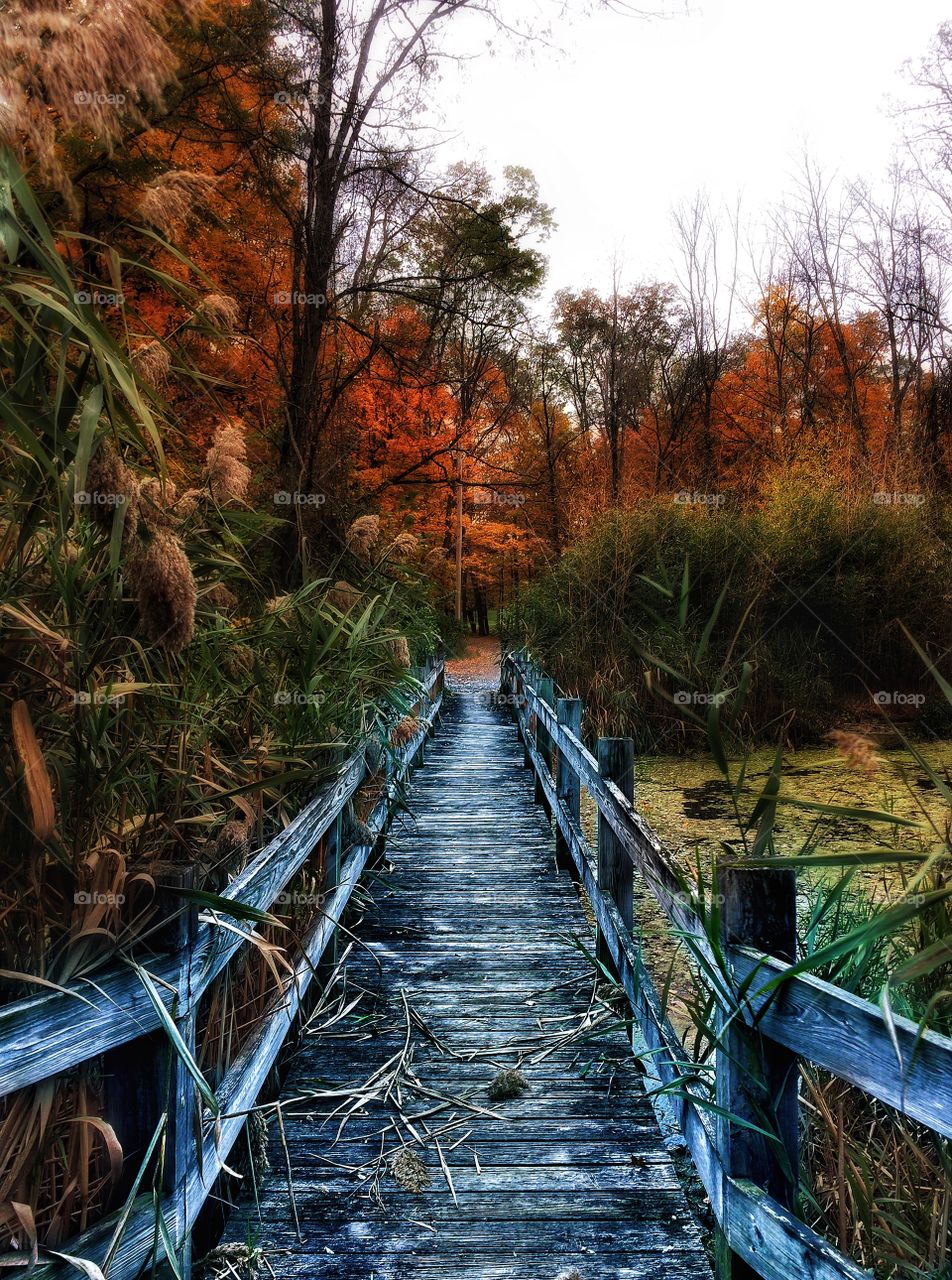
873	1182
808	586
161	707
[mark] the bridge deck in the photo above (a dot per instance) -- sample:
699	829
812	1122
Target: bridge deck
469	965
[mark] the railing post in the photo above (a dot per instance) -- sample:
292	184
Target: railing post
616	763
569	714
180	1153
757	1079
546	691
505	675
419	708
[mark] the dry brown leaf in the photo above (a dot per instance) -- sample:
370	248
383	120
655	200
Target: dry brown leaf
35	773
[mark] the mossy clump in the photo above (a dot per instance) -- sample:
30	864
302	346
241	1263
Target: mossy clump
507	1083
408	1169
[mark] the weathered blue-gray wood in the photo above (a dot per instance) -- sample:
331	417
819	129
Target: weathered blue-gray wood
45	1035
238	1090
756	1079
830	1027
471	936
569	714
758	1229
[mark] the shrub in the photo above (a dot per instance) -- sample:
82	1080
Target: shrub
809	587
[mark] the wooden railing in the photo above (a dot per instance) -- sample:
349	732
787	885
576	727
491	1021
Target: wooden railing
42	1037
751	1184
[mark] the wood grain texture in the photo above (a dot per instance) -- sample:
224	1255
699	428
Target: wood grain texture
758	1229
245	1077
833	1028
474	928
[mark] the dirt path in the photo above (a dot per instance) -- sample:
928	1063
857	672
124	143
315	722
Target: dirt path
478	667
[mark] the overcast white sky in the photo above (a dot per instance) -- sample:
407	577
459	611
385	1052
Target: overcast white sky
632	116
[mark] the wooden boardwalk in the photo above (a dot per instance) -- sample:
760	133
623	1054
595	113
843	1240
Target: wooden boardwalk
468	964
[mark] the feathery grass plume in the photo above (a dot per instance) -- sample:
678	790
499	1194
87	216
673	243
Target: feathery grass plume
187	505
405	731
68	67
403	546
168	200
239	661
228	476
343	596
218	311
858	751
110	484
362	535
165	591
401	651
233	842
507	1083
155	499
219	597
152	362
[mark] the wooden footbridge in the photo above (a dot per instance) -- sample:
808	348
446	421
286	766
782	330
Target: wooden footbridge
403	1162
465	1095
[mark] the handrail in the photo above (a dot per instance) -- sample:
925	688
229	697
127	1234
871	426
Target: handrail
41	1037
838	1031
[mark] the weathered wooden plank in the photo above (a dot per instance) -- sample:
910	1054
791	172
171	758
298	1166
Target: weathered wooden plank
245	1077
756	1079
567	787
616	763
849	1037
468	955
762	1232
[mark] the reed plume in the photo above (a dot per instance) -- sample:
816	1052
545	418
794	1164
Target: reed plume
165	591
168	201
362	535
228	476
218	311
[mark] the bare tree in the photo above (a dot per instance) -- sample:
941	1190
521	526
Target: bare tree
820	231
709	286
